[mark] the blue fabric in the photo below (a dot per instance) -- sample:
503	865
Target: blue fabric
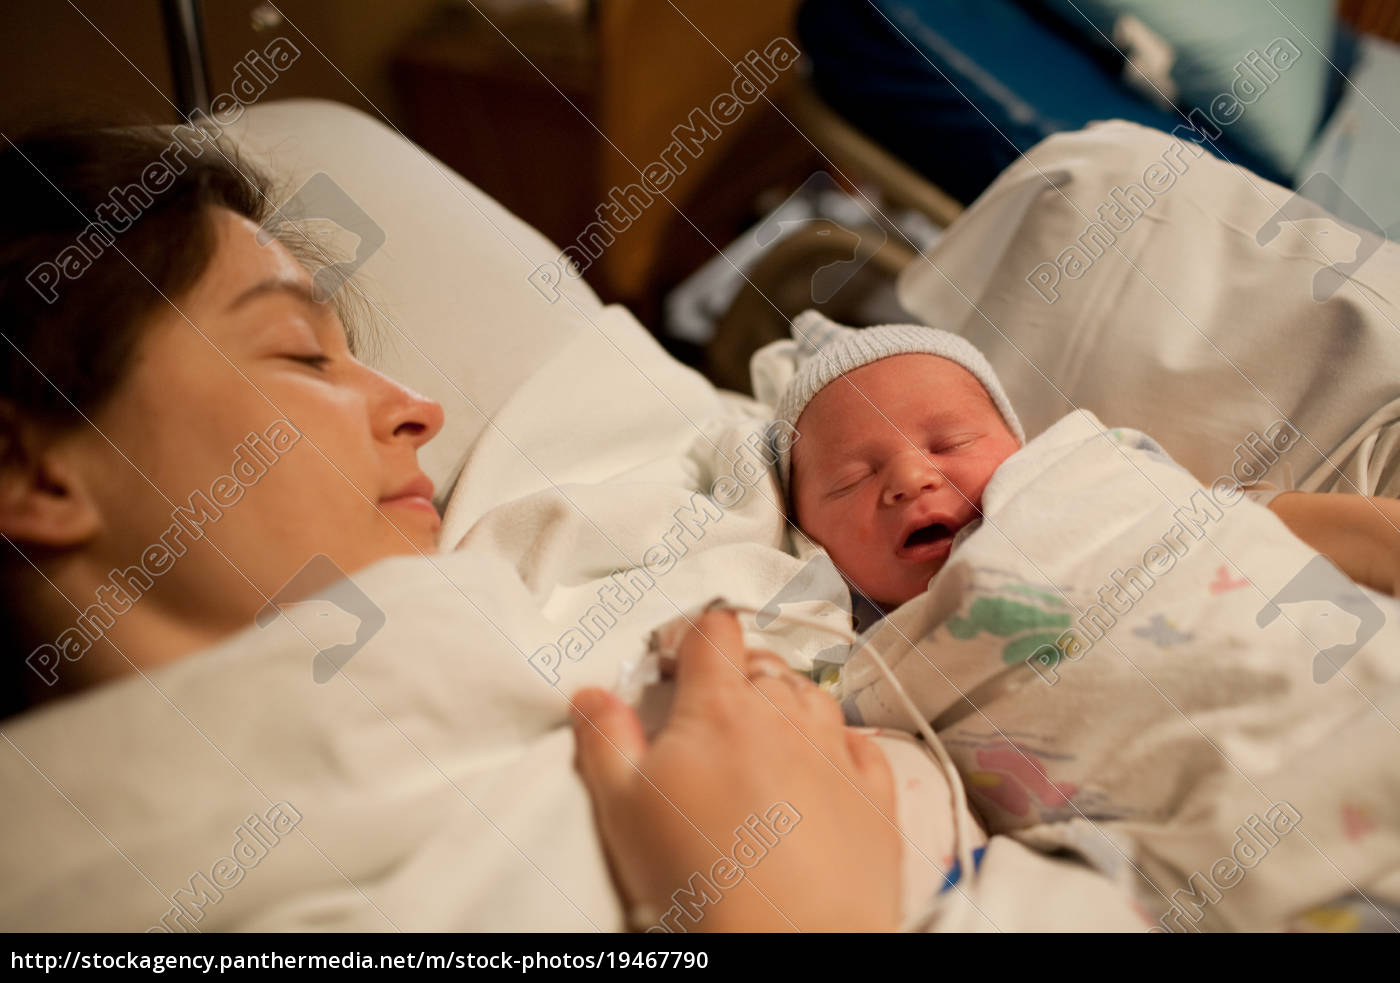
1346	49
961	88
955	875
1209	40
1350	170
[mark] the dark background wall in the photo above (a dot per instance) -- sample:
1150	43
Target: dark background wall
99	54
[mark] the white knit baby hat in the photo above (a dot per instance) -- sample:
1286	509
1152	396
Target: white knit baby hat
827	350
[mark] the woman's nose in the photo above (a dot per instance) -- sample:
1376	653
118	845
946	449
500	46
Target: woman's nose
911	474
410	415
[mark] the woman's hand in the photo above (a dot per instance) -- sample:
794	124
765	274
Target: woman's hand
747	739
1360	534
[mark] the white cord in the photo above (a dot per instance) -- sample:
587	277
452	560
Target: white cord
957	792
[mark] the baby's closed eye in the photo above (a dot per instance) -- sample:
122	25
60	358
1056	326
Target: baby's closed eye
847	481
948	444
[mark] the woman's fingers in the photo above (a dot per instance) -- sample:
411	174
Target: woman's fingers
791	691
725	752
814	706
871	769
711	661
609	740
715	673
763	664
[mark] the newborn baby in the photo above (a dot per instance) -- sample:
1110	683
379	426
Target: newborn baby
901	427
900	431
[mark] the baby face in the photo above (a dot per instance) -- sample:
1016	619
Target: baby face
891	463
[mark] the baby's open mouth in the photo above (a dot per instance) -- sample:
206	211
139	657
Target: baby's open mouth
928	534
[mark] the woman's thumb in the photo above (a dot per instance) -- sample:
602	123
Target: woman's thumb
608	740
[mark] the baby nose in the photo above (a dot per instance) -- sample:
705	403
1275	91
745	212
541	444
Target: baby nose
911	474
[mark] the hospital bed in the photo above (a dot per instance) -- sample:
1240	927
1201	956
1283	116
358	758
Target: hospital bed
957	90
923	104
471	325
571	439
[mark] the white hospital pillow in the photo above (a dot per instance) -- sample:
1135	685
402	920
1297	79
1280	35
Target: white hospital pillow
452	273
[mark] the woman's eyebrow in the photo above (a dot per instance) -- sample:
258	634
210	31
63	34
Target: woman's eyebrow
297	289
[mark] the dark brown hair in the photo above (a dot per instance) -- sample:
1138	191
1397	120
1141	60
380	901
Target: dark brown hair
70	327
77	335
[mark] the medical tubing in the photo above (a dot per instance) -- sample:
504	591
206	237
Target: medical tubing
956	791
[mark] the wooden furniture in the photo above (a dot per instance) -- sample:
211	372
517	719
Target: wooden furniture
550	117
1378	17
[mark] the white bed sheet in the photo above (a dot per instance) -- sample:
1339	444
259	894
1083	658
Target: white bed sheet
1199	323
458	318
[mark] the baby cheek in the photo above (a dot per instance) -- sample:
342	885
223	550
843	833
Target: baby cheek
836	530
826	528
988	465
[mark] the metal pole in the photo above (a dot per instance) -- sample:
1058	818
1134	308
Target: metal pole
184	35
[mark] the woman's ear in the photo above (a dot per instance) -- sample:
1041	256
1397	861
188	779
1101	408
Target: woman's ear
44	499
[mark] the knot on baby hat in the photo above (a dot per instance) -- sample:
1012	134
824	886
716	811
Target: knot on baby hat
827	350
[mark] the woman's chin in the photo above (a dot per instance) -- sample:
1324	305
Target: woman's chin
415	525
419	535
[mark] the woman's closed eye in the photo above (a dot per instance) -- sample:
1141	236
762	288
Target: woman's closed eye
317	360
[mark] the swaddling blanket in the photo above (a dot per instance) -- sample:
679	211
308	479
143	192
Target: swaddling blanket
395	753
1160	675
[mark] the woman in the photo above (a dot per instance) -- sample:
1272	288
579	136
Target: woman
159	352
138	382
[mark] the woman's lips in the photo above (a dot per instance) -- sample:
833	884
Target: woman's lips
417	496
417	502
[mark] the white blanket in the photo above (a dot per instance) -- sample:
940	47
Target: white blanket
1161	676
1119	270
428	784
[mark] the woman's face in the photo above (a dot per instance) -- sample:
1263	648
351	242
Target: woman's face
253	379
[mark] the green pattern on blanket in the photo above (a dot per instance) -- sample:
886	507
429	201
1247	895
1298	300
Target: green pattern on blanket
1024	624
